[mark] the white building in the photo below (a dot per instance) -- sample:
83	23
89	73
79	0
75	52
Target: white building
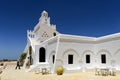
48	48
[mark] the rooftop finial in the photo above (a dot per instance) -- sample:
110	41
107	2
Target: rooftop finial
44	11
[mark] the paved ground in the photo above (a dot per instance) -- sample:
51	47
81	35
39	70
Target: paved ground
11	74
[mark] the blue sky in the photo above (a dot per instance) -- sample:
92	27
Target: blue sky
93	18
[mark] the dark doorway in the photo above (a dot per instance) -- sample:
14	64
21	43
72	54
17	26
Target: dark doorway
30	55
87	58
42	54
70	59
30	50
53	58
103	58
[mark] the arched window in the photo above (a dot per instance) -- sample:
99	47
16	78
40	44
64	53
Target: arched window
42	53
54	34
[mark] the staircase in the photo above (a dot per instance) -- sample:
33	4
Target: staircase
38	66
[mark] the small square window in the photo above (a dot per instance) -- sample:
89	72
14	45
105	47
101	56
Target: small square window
103	58
70	59
87	58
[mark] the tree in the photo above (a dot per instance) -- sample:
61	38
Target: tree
22	58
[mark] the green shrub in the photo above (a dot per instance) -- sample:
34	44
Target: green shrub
28	64
60	70
22	58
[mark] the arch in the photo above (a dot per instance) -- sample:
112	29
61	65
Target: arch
116	58
87	51
75	57
104	50
42	54
104	58
52	52
52	57
117	52
68	51
88	57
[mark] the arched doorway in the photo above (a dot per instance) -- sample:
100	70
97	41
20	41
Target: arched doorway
30	55
42	53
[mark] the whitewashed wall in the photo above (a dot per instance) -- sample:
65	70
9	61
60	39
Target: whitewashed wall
112	51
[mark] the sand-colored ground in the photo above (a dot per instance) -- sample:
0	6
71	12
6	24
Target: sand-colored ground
11	74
